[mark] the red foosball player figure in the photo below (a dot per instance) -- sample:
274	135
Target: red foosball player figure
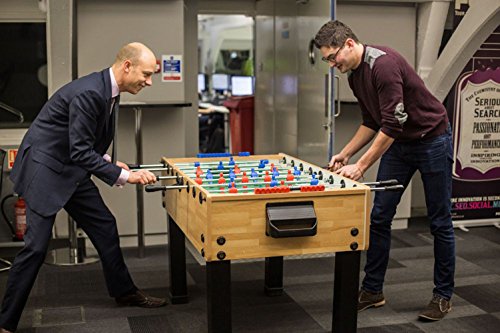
222	180
244	178
233	189
267	178
199	172
236	169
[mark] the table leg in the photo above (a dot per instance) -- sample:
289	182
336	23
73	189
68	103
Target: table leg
219	296
177	263
345	292
139	188
273	285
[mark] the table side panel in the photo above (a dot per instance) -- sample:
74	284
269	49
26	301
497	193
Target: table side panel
243	225
197	222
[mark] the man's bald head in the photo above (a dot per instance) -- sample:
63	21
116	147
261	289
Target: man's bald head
133	52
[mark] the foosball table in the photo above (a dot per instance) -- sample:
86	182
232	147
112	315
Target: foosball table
263	206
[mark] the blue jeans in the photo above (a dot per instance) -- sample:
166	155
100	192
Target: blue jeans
433	158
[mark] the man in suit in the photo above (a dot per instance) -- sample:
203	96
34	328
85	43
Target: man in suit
65	145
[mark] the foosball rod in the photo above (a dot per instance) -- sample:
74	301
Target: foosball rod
243	162
192	171
376	184
298	187
156	188
146	166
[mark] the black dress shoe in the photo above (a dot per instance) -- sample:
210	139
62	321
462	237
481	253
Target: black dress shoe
139	298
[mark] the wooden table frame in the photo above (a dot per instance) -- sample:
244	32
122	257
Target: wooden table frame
218	270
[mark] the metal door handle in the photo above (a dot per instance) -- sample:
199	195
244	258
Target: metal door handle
327	95
311	55
337	110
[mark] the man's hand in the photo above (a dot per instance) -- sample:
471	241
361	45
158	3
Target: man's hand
351	171
141	177
122	165
337	162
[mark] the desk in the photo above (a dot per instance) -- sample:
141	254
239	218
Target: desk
137	107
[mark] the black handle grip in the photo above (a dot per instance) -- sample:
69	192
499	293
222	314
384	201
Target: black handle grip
133	166
394	188
388	182
155	188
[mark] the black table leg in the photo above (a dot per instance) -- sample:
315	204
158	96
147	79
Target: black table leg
219	296
345	292
273	285
177	263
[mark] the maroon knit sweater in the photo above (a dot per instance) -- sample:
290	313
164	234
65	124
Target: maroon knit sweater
393	98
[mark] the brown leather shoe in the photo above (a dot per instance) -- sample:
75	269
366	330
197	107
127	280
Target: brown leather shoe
368	300
436	310
139	298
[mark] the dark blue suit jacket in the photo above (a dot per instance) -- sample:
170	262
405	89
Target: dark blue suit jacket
65	144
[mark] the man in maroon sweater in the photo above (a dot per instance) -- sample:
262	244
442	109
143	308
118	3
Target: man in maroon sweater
412	132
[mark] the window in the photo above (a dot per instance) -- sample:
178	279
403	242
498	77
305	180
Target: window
23	72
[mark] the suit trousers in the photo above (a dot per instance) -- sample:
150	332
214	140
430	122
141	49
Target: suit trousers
91	214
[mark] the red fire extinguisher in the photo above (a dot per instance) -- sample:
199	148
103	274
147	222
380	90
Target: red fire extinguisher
20	218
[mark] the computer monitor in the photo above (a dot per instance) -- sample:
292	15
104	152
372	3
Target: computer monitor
202	83
241	85
220	82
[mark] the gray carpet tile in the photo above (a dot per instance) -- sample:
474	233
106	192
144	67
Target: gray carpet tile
470	324
477	279
403	328
312	266
72	282
484	296
490	233
45	317
286	317
111	325
163	324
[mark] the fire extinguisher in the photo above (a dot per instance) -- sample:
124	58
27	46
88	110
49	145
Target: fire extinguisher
18	226
20	218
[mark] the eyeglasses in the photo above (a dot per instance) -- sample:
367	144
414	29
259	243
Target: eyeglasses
332	57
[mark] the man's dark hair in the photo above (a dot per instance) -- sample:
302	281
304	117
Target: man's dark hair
333	34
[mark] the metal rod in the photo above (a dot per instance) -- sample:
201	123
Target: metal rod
388	188
139	188
382	182
165	177
242	162
145	166
156	188
152	169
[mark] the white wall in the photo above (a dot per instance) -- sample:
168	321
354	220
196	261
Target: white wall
166	27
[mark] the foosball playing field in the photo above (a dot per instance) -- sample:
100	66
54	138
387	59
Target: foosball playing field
262	176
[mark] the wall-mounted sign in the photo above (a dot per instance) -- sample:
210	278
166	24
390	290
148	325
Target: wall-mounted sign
171	68
477	126
476	171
